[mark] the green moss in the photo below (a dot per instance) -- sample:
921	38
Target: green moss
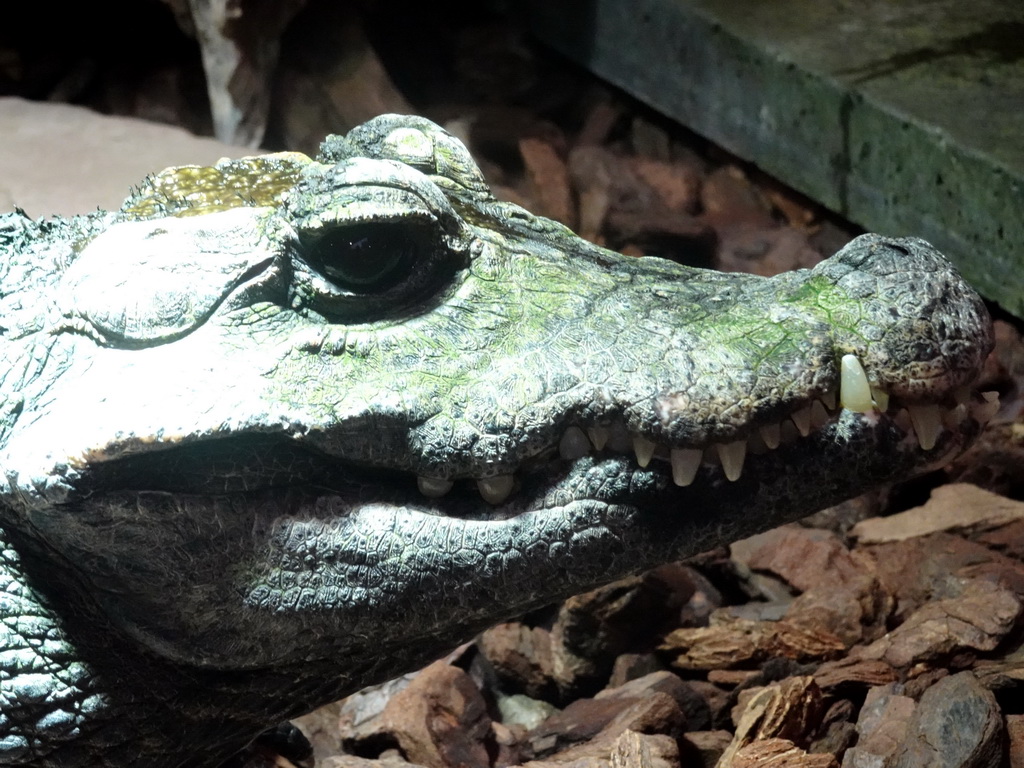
193	190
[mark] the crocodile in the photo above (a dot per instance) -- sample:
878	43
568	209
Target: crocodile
282	427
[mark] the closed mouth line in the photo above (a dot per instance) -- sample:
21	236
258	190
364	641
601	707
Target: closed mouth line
925	421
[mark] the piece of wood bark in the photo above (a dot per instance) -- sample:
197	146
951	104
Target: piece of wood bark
549	179
778	753
790	710
957	507
977	620
739	642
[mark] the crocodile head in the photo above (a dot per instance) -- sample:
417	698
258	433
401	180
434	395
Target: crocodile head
336	414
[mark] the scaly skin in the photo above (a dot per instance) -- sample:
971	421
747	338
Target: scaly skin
218	400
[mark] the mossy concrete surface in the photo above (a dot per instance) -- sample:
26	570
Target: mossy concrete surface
905	116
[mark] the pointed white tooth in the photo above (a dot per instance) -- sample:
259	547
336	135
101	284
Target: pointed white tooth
927	421
802	418
732	456
644	450
902	420
598	436
819	416
685	463
881	399
495	489
984	412
955	416
433	487
854	392
574	444
770	433
829	399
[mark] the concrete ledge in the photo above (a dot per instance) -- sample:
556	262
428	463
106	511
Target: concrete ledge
905	117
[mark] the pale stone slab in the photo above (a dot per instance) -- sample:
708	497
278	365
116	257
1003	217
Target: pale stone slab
62	159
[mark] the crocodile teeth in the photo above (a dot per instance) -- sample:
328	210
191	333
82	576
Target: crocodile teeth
433	487
495	489
927	421
598	436
771	434
802	419
574	444
881	399
644	450
829	399
732	456
902	420
819	416
954	417
685	463
985	411
854	391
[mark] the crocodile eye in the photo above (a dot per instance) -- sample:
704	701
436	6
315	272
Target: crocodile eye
365	258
